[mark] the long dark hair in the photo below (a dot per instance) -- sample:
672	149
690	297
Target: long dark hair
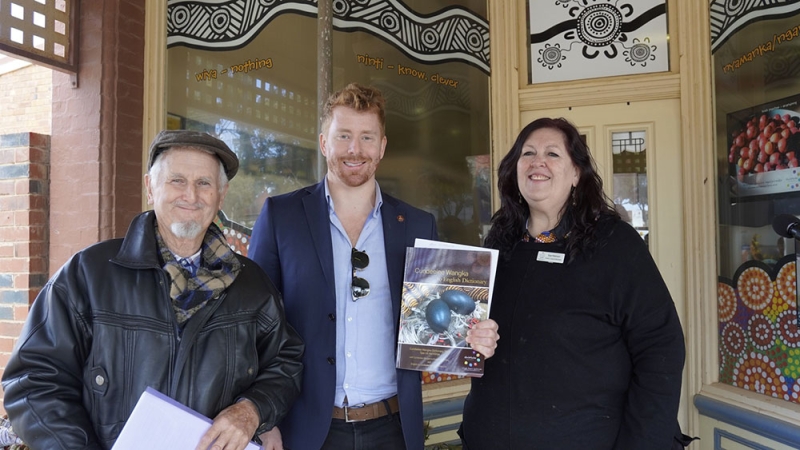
577	221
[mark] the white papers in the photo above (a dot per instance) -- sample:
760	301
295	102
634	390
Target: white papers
160	423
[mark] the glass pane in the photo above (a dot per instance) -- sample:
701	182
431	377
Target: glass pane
429	58
437	125
261	100
629	152
757	114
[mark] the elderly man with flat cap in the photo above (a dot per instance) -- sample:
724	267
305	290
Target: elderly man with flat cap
169	306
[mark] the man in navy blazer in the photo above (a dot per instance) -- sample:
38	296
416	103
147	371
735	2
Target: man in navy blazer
336	251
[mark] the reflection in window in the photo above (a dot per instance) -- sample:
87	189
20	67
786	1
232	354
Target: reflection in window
437	112
629	153
757	109
437	126
275	157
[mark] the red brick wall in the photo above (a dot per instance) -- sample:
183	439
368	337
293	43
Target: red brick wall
24	169
91	187
27	96
97	131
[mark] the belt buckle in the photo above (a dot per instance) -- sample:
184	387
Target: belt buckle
347	413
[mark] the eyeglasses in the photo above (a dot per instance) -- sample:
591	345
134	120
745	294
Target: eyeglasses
360	261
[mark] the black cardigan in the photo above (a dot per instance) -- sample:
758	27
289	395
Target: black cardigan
590	354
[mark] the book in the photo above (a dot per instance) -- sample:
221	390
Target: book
160	423
447	288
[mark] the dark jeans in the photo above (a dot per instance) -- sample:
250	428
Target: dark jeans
383	433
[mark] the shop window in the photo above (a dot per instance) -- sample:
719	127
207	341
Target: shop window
430	59
757	110
437	122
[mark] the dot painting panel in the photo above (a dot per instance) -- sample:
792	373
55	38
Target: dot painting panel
759	338
580	39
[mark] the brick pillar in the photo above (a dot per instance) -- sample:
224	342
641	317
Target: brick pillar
24	217
97	131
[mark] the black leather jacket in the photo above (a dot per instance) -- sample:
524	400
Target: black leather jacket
103	329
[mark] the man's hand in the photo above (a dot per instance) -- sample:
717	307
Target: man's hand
272	440
482	337
232	429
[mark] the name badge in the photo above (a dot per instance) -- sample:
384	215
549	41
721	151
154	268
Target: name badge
555	258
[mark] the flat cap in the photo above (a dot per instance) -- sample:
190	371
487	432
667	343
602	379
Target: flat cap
187	138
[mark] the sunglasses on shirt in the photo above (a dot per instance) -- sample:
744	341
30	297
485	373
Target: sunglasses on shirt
360	286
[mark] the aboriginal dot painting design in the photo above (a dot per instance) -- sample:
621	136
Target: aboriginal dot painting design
237	235
729	16
759	339
577	39
452	34
775	20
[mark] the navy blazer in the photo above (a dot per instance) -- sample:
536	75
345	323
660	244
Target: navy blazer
291	241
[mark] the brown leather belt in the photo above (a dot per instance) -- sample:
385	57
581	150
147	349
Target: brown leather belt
360	413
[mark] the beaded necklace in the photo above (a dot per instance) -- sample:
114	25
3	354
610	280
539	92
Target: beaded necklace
545	237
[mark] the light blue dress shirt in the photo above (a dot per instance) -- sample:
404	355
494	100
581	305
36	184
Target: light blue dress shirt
365	332
190	263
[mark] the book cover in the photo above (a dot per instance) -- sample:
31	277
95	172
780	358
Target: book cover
160	423
445	292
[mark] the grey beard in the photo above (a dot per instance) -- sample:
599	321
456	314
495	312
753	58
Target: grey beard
186	230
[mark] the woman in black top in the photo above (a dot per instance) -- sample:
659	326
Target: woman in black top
592	350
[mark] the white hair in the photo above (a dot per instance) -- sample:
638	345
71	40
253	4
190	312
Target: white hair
186	230
155	169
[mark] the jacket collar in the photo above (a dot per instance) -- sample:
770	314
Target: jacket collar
139	249
316	208
393	214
